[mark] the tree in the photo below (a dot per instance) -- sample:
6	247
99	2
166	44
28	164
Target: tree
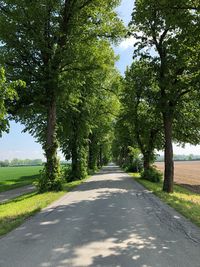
86	117
169	35
42	43
7	94
140	109
104	112
122	142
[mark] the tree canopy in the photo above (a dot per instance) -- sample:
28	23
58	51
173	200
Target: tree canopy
76	100
167	37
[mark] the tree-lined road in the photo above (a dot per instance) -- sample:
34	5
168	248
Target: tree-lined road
110	220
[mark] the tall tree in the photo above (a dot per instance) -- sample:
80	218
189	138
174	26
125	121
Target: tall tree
42	43
168	35
86	119
139	107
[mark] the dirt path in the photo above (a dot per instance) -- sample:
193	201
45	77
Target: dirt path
109	221
13	193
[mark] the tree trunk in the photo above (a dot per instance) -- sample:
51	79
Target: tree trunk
79	151
100	156
146	162
93	152
75	171
79	162
169	163
52	165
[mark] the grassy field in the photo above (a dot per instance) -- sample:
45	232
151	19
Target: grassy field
182	200
13	177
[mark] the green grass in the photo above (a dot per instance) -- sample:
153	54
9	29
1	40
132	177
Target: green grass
13	177
14	212
182	200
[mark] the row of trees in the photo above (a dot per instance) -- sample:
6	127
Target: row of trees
179	157
62	51
21	162
160	97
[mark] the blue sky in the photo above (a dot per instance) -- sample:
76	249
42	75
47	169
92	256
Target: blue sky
22	145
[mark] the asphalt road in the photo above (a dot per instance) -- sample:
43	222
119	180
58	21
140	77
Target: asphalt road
110	220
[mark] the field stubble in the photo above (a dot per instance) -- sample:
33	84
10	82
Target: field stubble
186	173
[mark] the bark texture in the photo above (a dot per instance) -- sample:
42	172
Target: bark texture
169	163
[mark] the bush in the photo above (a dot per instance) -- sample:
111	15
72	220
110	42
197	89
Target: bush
43	184
135	166
65	172
152	175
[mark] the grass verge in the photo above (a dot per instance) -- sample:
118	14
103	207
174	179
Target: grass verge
184	201
14	212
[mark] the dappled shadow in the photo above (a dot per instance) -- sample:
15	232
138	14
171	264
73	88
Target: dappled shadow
105	222
10	184
102	185
22	179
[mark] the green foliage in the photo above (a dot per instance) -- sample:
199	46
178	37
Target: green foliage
135	166
93	152
152	175
79	164
53	183
134	160
140	123
4	163
168	39
55	47
7	95
21	162
65	172
86	132
122	142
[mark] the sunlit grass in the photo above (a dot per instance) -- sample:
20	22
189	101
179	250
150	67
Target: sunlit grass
182	200
13	177
14	212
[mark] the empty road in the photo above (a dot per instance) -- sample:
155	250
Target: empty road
110	220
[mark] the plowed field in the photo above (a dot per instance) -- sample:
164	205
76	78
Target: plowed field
186	173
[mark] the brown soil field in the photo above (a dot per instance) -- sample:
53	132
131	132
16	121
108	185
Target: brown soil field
186	173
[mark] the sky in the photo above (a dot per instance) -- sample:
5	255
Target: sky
22	145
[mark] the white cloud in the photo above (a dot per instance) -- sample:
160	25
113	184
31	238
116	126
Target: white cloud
188	149
127	43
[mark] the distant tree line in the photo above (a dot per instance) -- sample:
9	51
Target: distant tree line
180	157
21	162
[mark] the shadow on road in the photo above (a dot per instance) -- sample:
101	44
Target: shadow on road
105	222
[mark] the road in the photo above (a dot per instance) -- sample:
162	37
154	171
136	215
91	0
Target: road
109	221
